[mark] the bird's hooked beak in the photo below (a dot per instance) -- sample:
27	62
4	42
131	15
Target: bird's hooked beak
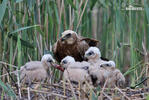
52	62
64	61
85	58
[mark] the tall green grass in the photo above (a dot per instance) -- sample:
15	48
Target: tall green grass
30	27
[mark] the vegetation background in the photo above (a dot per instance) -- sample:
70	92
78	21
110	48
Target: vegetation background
28	29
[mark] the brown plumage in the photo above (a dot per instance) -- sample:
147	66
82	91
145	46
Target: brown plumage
36	70
73	45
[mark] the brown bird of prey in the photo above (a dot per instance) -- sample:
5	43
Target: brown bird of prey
70	44
36	70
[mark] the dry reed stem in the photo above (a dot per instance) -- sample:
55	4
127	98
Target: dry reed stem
8	64
72	89
13	72
107	96
101	95
81	15
79	90
146	59
61	11
64	87
73	17
122	93
28	93
39	91
38	47
29	57
8	73
42	97
19	86
70	17
81	2
38	39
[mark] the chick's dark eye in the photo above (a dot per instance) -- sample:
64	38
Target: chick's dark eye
64	62
49	60
107	65
90	53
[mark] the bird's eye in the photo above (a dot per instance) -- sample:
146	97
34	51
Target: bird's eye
85	67
64	62
50	60
107	65
68	35
90	53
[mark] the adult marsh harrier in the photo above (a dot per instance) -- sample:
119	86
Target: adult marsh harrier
70	44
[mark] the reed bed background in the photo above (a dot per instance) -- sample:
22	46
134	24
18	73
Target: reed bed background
28	29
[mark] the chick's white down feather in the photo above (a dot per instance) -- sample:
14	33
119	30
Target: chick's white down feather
74	70
35	70
112	75
65	62
77	75
95	50
95	58
106	63
103	70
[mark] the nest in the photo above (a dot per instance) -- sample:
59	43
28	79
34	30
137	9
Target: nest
61	91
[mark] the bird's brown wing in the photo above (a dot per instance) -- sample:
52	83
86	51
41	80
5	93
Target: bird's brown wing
60	50
76	50
105	59
90	42
82	47
54	47
56	51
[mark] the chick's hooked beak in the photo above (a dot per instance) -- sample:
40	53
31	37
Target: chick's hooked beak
58	67
52	62
64	62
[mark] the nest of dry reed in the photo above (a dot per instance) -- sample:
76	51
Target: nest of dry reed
66	91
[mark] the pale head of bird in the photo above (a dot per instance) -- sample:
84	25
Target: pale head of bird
47	60
93	53
65	62
112	63
69	37
108	64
